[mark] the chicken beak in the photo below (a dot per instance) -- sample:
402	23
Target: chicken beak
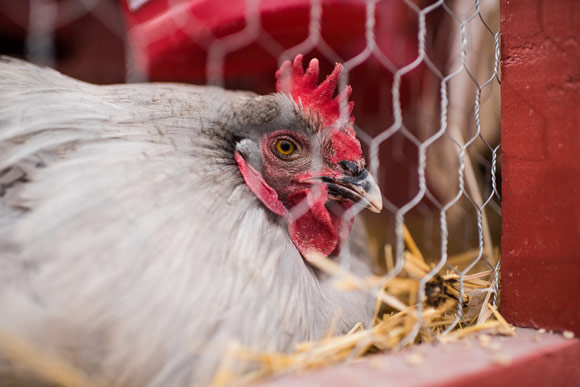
358	188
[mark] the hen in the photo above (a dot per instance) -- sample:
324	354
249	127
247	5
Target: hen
144	227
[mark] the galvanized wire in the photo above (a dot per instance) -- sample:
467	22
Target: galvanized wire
40	49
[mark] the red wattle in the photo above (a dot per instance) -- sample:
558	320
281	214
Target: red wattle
315	232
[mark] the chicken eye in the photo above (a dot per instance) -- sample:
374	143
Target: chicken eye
285	147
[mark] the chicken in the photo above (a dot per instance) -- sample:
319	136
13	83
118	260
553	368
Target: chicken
145	227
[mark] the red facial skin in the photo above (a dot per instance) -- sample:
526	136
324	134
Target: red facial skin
289	188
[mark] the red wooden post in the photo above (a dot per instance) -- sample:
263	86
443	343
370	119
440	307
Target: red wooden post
541	163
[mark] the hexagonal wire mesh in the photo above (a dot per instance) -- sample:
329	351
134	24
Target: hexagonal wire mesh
457	56
425	78
455	139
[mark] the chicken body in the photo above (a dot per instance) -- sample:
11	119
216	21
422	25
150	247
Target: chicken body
130	245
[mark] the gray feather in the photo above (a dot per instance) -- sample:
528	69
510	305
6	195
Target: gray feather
130	245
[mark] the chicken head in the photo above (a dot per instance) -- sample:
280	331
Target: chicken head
306	164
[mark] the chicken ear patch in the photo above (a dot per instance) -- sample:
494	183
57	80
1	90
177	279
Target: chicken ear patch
259	187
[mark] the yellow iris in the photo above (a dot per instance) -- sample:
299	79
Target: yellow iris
285	147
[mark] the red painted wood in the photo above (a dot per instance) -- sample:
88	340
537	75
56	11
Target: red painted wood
541	163
528	359
554	367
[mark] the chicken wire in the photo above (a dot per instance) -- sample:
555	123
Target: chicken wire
454	140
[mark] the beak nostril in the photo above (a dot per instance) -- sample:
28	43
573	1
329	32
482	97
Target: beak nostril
350	167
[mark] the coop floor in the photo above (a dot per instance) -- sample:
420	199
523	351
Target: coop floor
530	358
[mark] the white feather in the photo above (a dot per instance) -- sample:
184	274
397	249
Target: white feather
128	247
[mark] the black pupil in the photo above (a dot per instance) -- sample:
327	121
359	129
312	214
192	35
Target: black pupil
285	146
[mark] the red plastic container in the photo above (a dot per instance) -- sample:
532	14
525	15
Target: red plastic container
230	43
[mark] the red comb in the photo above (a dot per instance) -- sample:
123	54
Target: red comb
303	87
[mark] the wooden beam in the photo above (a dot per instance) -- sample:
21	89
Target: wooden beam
528	359
540	91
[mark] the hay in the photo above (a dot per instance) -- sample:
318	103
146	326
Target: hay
397	320
31	364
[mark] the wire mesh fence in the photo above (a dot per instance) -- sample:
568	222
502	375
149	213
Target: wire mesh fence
425	85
